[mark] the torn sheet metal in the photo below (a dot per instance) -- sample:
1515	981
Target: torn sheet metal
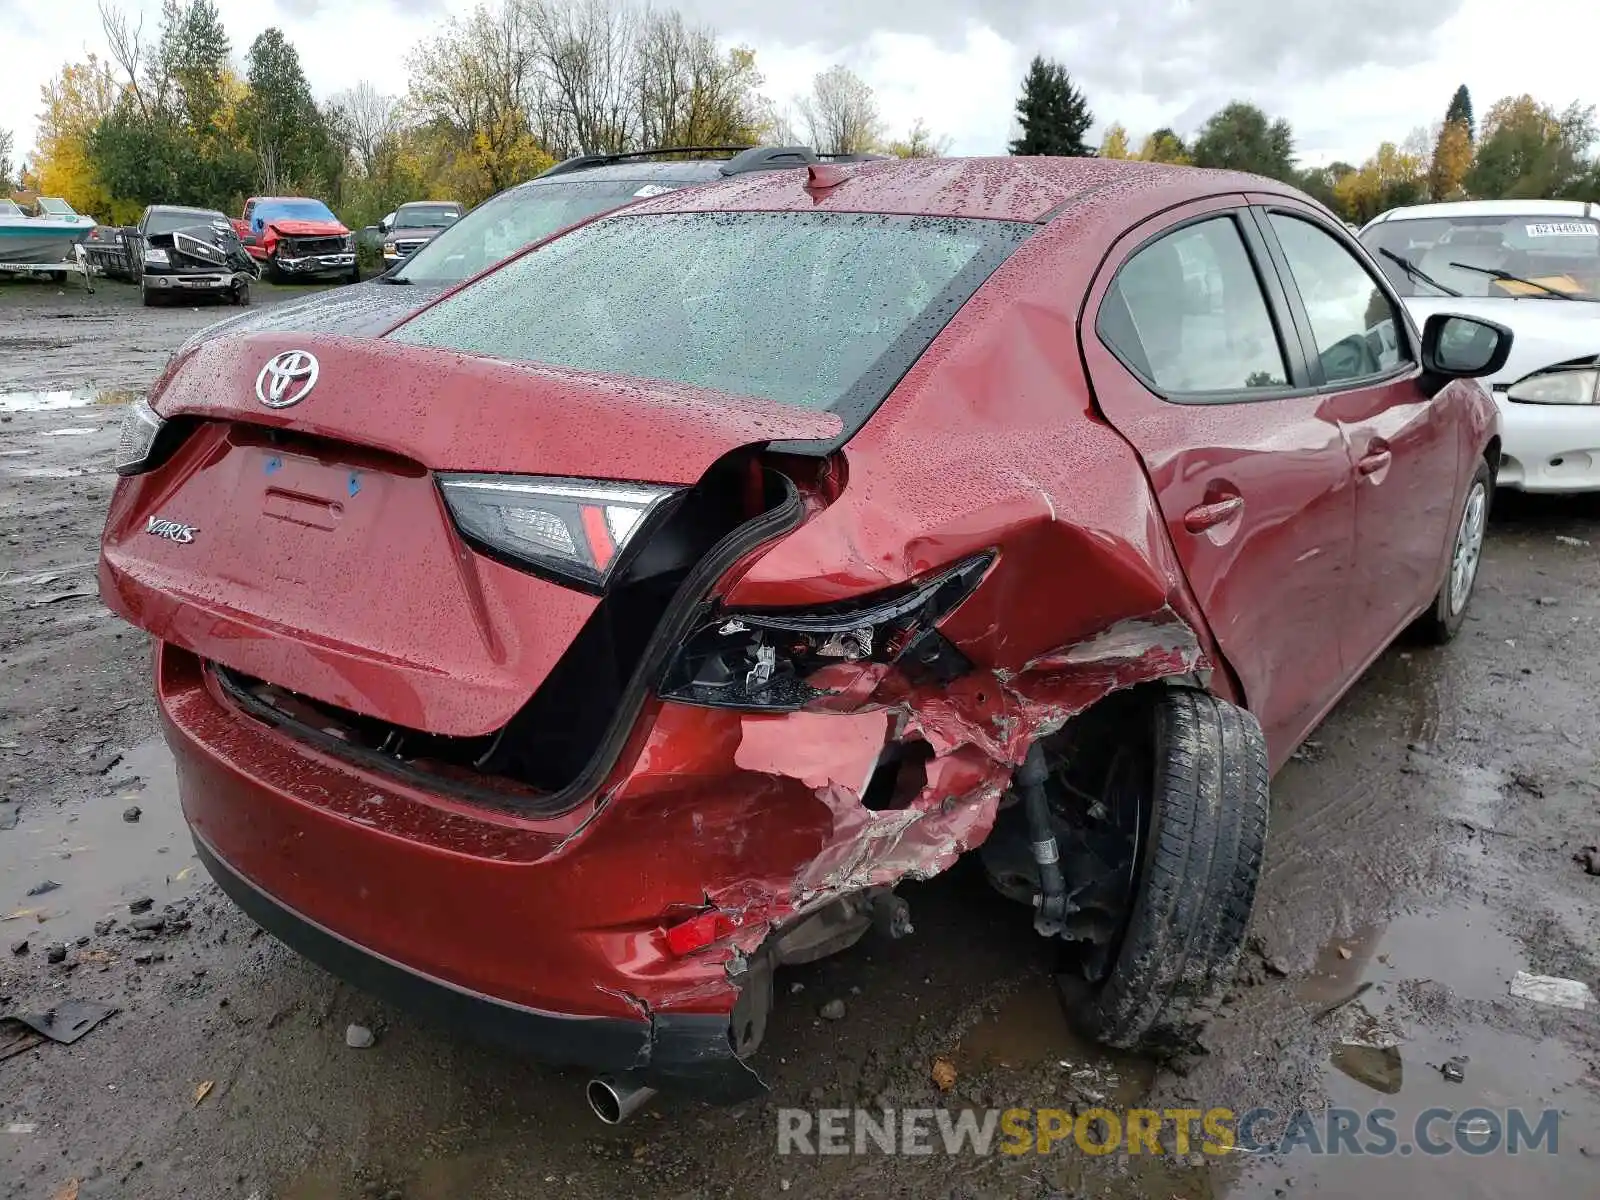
978	729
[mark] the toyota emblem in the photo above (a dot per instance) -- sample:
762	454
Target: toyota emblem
287	378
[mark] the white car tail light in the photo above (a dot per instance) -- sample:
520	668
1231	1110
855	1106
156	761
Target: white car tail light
579	529
137	438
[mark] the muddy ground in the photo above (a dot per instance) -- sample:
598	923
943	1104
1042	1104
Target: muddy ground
1424	844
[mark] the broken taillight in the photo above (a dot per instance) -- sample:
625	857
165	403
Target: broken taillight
765	659
578	529
136	440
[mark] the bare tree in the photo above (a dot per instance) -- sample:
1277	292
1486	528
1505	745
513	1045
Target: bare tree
920	142
126	44
583	97
690	92
474	79
841	115
370	118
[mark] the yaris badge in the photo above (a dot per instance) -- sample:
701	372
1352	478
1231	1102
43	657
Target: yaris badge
287	378
173	531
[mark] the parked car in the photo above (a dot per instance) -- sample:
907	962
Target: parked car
1532	265
184	252
412	226
294	237
627	624
567	193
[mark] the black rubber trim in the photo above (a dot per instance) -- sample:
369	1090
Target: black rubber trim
686	1052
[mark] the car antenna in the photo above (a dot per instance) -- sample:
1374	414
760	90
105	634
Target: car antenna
820	176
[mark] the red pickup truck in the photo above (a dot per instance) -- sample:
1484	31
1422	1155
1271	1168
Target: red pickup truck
295	237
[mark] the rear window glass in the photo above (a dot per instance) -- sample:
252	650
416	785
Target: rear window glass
291	210
166	222
425	216
820	310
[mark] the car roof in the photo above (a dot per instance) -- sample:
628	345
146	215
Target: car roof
180	208
1010	189
430	204
1491	208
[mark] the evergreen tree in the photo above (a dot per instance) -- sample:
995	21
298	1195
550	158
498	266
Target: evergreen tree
1460	112
1054	114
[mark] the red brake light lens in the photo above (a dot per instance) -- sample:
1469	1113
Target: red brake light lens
578	529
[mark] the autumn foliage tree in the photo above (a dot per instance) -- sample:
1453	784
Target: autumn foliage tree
1528	150
1452	159
74	103
1114	144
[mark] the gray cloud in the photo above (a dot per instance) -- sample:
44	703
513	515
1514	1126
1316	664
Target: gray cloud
1170	50
305	9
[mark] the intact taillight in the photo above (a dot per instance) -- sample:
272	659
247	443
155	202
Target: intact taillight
767	660
579	529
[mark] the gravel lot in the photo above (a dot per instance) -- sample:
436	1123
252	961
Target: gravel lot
1425	844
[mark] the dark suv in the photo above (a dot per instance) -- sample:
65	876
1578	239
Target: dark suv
565	194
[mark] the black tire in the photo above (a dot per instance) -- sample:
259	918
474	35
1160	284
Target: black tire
273	272
146	297
1448	613
1197	882
355	275
241	293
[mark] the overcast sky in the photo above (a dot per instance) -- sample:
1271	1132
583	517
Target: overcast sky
1346	73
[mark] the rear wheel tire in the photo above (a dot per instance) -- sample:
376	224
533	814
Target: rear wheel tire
1448	613
241	293
146	296
1206	797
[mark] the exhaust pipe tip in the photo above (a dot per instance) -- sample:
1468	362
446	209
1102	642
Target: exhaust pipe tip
615	1100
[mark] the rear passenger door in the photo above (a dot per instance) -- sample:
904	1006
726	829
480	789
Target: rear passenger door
1188	339
1404	438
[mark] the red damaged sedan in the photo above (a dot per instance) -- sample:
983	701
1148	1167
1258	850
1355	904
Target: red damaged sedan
631	621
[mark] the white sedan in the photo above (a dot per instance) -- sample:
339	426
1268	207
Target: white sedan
1533	266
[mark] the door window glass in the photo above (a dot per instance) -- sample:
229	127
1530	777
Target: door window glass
1354	324
1187	313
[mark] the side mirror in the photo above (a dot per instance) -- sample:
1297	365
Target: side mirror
386	224
1458	347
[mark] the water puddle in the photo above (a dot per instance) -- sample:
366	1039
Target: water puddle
99	860
56	472
1460	948
1450	1089
1451	1130
1031	1029
14	402
61	398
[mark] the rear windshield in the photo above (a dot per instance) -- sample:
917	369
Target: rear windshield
1490	255
499	227
291	210
820	310
166	222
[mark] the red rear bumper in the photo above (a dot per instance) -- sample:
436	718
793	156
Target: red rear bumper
543	934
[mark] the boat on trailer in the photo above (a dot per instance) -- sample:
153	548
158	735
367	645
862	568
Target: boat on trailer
39	240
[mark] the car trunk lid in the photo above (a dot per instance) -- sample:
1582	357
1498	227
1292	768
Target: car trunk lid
308	546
